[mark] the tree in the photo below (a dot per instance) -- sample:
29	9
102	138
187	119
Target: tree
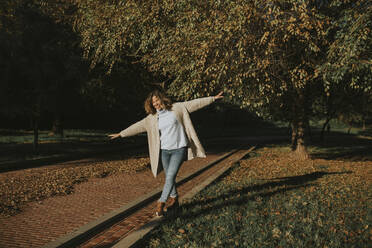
41	62
260	53
349	105
267	56
116	97
347	70
349	55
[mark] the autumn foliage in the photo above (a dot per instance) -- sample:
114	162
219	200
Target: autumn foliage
269	56
281	59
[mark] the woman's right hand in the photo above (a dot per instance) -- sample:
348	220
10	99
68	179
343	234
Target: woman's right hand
114	135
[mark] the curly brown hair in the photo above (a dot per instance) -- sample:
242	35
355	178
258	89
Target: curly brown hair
164	99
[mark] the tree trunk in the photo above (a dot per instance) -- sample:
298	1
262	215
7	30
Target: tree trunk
323	129
36	135
308	128
301	151
57	128
349	129
294	136
299	123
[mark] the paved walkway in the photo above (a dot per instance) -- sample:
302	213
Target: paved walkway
121	230
45	221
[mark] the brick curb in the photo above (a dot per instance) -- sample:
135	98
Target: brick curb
132	239
89	230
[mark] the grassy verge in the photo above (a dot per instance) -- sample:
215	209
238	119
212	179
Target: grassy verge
16	145
70	135
273	200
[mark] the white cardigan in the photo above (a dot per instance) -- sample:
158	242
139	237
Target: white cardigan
182	111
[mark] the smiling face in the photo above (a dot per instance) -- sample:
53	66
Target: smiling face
157	103
157	100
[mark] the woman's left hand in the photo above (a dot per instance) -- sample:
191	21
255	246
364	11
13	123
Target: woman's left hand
219	96
114	135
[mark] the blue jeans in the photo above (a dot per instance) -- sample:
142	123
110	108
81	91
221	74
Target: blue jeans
171	160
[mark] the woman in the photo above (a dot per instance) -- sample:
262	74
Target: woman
171	136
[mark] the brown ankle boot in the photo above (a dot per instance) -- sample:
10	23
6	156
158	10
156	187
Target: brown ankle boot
173	203
160	209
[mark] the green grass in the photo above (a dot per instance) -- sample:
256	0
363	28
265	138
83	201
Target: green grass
340	127
70	135
274	200
18	144
257	128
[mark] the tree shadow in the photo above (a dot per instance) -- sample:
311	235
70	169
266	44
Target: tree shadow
366	132
236	197
345	147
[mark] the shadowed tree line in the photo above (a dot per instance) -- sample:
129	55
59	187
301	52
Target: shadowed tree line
45	81
286	60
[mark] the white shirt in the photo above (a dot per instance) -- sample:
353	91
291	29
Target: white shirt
172	134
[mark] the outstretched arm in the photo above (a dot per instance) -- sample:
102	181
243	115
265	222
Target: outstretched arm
136	128
199	103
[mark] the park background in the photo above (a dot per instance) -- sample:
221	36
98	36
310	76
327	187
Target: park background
73	71
84	64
